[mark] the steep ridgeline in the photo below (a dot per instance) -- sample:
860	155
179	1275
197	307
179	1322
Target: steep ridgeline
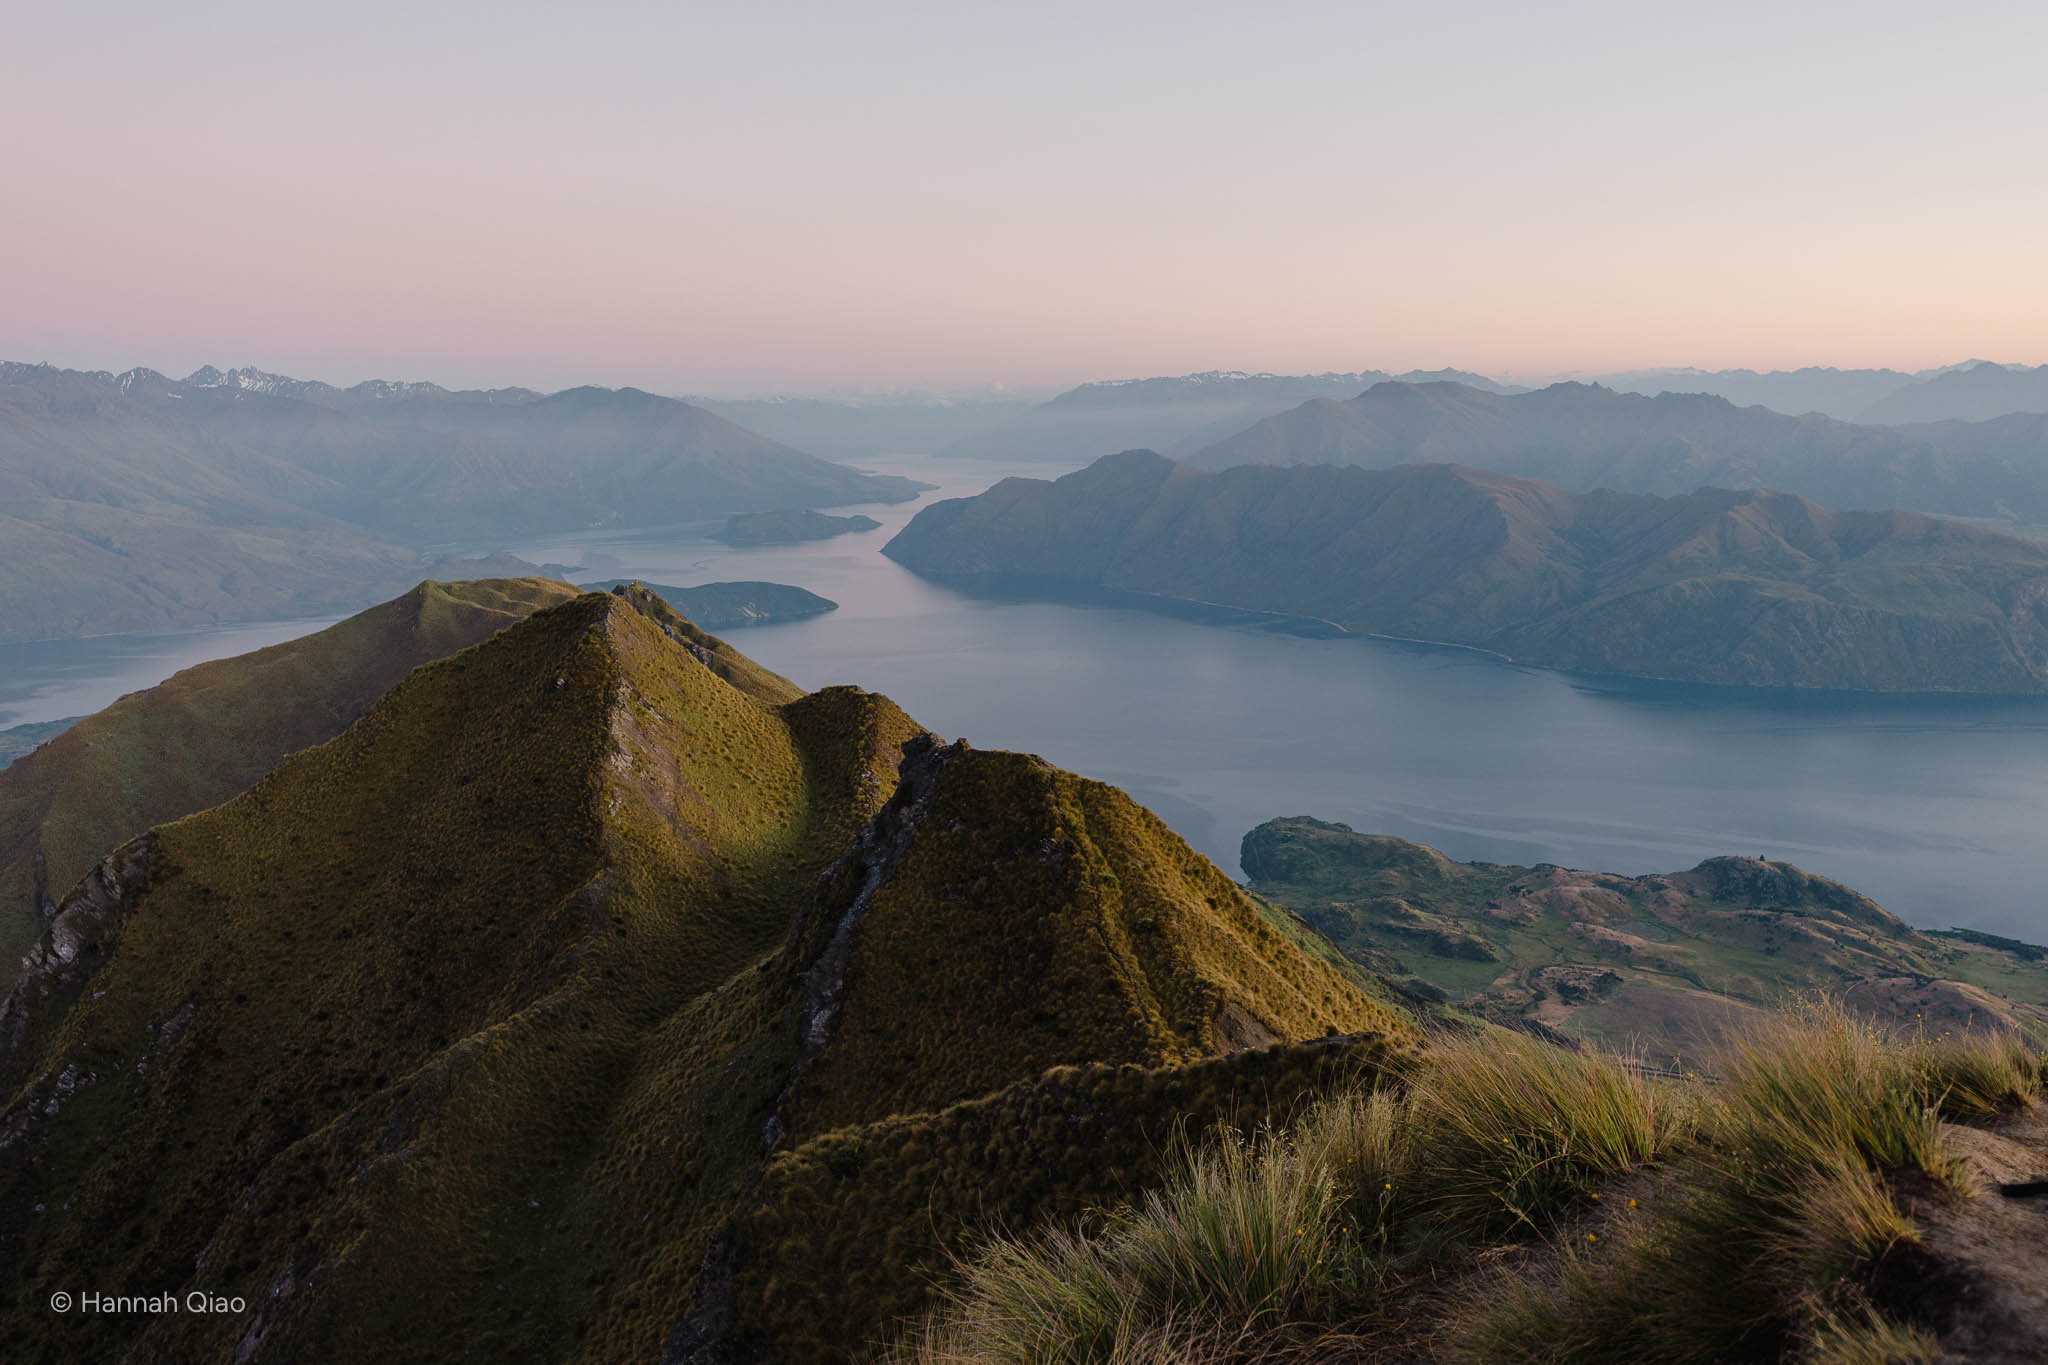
211	731
515	1020
1583	437
1661	960
1178	414
135	502
1750	588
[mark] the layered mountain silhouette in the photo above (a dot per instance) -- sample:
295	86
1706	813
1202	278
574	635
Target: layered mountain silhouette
1843	394
534	1013
1584	436
1178	415
133	502
1971	393
1720	586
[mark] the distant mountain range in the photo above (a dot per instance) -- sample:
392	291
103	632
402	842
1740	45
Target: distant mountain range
1182	415
1174	415
1719	586
1585	436
849	429
1977	393
135	502
1975	390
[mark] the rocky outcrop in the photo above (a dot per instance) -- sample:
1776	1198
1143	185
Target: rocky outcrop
70	949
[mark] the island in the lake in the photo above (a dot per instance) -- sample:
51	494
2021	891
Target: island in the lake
790	526
727	606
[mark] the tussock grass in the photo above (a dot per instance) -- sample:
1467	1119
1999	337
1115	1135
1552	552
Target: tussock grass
1759	1241
1784	1209
1860	1335
1215	1265
1511	1133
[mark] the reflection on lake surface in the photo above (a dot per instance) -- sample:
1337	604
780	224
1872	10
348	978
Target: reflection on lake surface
1931	805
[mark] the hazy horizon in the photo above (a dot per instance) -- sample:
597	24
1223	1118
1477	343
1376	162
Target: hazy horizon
988	391
779	199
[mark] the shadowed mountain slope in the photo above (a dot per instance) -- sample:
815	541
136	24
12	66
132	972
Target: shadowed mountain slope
211	731
471	1029
1753	588
1583	437
1657	960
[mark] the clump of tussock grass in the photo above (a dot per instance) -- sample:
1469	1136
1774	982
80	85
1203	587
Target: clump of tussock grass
1508	1133
1860	1335
1259	1249
1784	1211
1759	1242
1974	1077
1214	1265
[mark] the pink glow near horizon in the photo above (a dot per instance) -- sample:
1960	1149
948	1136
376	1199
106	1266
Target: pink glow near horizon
714	198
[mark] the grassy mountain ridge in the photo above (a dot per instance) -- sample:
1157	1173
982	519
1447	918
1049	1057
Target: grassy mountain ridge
1750	588
201	737
472	1028
1667	958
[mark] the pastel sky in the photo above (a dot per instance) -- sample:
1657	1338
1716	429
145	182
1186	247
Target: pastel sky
764	197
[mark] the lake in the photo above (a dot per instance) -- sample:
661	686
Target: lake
1931	805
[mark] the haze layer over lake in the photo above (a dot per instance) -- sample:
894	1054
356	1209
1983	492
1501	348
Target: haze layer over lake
1928	804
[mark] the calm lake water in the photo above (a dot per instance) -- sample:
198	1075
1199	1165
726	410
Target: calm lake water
1933	806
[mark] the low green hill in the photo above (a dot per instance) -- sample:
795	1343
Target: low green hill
204	735
472	1032
1665	958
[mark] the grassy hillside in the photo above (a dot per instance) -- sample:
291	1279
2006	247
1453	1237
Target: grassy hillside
204	735
1662	960
852	1233
472	1030
17	740
1748	588
1040	920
